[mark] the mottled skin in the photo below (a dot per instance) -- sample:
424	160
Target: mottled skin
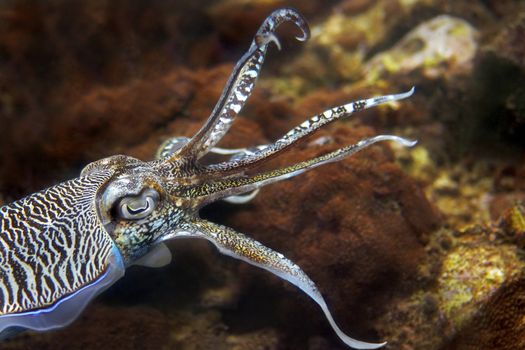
62	246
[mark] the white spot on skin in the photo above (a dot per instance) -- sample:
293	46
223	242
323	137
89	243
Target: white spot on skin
240	96
251	73
236	107
350	107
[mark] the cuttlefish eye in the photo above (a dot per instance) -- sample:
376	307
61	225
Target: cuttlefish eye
139	206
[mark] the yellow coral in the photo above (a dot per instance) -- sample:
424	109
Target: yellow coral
469	276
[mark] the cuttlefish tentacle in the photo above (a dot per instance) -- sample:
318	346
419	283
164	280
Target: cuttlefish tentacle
239	246
173	144
240	84
215	190
242	199
300	132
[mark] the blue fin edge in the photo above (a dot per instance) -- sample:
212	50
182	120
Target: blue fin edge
67	309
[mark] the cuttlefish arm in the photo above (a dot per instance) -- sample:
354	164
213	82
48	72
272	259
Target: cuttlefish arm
233	186
240	84
239	246
300	132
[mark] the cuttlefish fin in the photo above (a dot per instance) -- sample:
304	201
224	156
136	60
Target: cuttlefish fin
239	246
158	256
66	309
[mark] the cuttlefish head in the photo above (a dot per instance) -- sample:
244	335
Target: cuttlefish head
135	205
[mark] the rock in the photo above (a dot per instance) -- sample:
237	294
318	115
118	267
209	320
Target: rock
102	327
498	324
512	224
441	47
508	42
468	276
341	43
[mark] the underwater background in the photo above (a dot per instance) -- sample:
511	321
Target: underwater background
421	247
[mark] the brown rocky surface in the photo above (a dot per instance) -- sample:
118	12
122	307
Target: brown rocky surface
123	327
499	323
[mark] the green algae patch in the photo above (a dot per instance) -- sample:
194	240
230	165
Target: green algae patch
470	275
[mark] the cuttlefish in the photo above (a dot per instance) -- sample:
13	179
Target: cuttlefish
62	246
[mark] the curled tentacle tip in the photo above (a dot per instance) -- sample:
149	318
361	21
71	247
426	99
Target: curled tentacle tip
275	40
404	142
303	37
375	345
406	94
263	40
306	32
305	29
299	21
409	143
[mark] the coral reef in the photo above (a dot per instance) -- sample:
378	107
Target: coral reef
498	324
470	274
441	47
467	273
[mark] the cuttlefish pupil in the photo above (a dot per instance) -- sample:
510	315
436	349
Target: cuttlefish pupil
62	246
